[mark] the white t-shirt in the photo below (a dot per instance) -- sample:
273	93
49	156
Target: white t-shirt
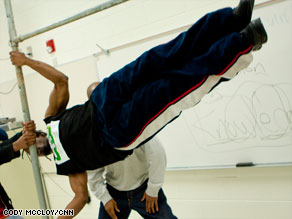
146	162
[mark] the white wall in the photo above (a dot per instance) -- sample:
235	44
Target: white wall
242	193
259	193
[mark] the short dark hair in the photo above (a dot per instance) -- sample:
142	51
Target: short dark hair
40	132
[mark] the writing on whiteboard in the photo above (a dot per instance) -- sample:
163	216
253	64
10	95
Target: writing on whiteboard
255	114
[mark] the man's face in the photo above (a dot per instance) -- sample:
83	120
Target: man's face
42	145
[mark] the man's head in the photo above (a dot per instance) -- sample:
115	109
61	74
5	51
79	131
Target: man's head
91	87
42	144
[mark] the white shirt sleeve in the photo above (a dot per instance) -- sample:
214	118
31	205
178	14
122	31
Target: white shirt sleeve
96	182
156	158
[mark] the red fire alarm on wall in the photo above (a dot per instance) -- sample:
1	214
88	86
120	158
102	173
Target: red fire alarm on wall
51	46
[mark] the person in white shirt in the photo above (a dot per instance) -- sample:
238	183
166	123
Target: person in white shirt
133	184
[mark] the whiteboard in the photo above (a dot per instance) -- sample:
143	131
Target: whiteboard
248	119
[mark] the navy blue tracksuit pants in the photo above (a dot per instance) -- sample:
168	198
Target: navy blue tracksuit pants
140	99
131	200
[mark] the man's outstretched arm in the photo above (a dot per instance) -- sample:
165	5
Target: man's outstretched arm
78	183
59	96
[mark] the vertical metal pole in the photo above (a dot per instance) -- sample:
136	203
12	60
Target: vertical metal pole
25	109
